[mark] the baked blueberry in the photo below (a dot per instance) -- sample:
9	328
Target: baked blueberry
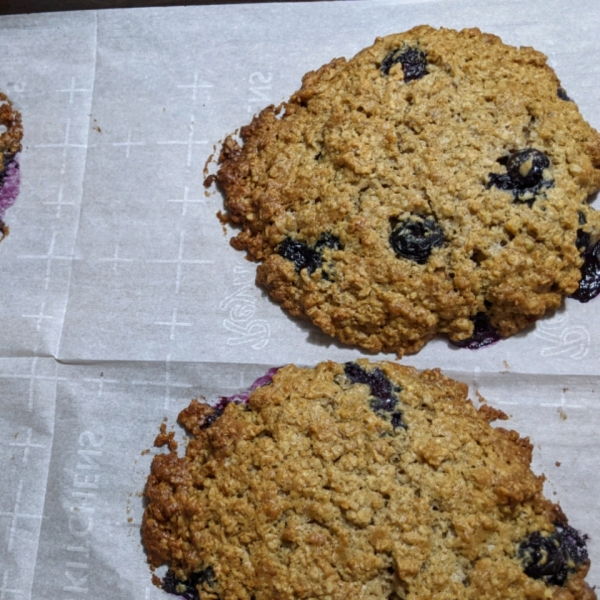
551	558
412	59
328	240
562	94
381	387
208	421
524	175
305	257
484	333
188	589
526	168
416	237
397	421
301	254
583	239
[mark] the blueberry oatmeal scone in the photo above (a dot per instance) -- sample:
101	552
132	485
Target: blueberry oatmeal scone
11	133
363	480
437	182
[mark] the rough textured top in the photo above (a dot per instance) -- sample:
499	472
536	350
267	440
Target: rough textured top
436	178
362	481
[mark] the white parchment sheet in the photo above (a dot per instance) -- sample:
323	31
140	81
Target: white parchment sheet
122	300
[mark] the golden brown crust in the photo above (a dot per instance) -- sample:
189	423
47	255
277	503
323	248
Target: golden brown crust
308	492
354	151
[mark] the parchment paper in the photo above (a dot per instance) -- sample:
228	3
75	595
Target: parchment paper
122	300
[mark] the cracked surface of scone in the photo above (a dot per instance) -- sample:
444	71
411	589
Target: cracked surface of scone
363	480
435	178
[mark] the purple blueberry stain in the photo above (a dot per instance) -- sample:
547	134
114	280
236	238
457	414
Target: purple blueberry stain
553	557
239	398
10	180
242	397
589	284
484	333
384	392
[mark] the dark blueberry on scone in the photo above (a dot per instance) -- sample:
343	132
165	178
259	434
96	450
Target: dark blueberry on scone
415	238
307	492
385	393
484	333
412	59
328	240
452	173
189	589
306	257
380	386
583	237
562	94
553	557
524	175
300	253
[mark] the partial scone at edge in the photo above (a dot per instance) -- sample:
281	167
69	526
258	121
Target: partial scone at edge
10	145
359	480
387	210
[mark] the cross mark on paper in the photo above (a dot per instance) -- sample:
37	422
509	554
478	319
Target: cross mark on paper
180	261
40	317
116	259
128	144
33	377
72	90
27	445
59	203
196	86
100	381
190	142
6	590
16	515
49	257
172	324
562	404
185	200
65	145
167	383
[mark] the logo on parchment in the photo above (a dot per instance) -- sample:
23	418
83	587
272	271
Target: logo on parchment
241	307
563	339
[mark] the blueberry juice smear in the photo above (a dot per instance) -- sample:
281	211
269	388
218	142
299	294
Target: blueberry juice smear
589	285
239	398
484	334
10	180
